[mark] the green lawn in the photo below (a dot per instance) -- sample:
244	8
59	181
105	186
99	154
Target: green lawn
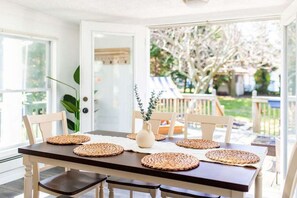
239	108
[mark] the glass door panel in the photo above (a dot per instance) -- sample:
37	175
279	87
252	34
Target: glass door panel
113	82
291	86
113	58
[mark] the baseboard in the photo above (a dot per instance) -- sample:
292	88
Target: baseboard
11	170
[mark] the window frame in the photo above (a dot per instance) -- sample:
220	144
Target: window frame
11	151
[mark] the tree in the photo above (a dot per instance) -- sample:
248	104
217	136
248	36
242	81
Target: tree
261	49
200	50
262	79
161	61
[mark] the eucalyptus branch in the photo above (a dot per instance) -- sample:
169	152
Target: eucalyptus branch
150	107
140	105
153	101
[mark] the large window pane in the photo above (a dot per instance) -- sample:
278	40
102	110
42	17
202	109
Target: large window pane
36	65
24	64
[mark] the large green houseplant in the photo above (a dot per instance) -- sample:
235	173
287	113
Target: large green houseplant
71	103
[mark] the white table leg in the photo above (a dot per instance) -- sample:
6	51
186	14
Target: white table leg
258	185
27	177
237	194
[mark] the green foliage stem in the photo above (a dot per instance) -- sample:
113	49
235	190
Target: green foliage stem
71	103
153	101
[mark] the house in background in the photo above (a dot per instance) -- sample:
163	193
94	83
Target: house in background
68	33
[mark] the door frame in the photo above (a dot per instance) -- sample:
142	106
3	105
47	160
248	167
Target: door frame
141	70
287	17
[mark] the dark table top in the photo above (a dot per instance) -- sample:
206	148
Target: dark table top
211	174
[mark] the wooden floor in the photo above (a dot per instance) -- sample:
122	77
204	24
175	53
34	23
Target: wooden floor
270	188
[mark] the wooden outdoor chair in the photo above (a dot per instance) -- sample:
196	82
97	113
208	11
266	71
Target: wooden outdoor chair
208	124
69	183
291	178
134	185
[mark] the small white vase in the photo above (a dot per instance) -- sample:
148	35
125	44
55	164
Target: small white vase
145	138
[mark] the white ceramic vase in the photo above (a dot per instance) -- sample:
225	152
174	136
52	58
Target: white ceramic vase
145	138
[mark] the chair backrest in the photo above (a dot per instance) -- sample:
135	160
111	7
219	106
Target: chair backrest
291	178
45	123
155	121
208	124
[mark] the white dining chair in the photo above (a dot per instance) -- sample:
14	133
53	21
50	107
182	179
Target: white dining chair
134	185
208	124
69	183
290	185
155	121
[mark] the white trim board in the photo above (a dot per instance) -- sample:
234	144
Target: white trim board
13	170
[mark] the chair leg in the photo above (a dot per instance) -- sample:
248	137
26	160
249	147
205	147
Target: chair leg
131	194
35	193
153	193
163	194
97	191
35	189
101	190
111	193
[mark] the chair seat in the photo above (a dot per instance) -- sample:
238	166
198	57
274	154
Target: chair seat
131	182
71	182
185	192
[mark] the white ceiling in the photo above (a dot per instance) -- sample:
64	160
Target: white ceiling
152	11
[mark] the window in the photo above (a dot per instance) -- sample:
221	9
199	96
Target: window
24	65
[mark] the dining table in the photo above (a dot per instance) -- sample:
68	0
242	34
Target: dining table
209	177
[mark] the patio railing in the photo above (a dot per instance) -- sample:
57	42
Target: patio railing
266	114
206	104
266	111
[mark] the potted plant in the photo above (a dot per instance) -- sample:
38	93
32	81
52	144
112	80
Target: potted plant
145	138
71	103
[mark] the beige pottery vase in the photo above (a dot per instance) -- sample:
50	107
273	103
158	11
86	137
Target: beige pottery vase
145	138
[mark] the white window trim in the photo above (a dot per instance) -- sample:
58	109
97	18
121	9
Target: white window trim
16	171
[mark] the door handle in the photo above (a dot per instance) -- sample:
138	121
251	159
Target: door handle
85	110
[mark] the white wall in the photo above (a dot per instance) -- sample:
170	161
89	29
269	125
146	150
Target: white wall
20	20
14	18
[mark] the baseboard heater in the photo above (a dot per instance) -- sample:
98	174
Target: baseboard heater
11	168
7	159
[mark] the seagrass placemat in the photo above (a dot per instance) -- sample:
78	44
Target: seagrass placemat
198	144
68	139
98	150
158	137
233	156
170	161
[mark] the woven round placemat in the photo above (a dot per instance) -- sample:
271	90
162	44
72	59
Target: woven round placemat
158	137
68	139
198	144
233	156
98	150
170	161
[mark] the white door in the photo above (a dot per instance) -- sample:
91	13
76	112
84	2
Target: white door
289	88
114	57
